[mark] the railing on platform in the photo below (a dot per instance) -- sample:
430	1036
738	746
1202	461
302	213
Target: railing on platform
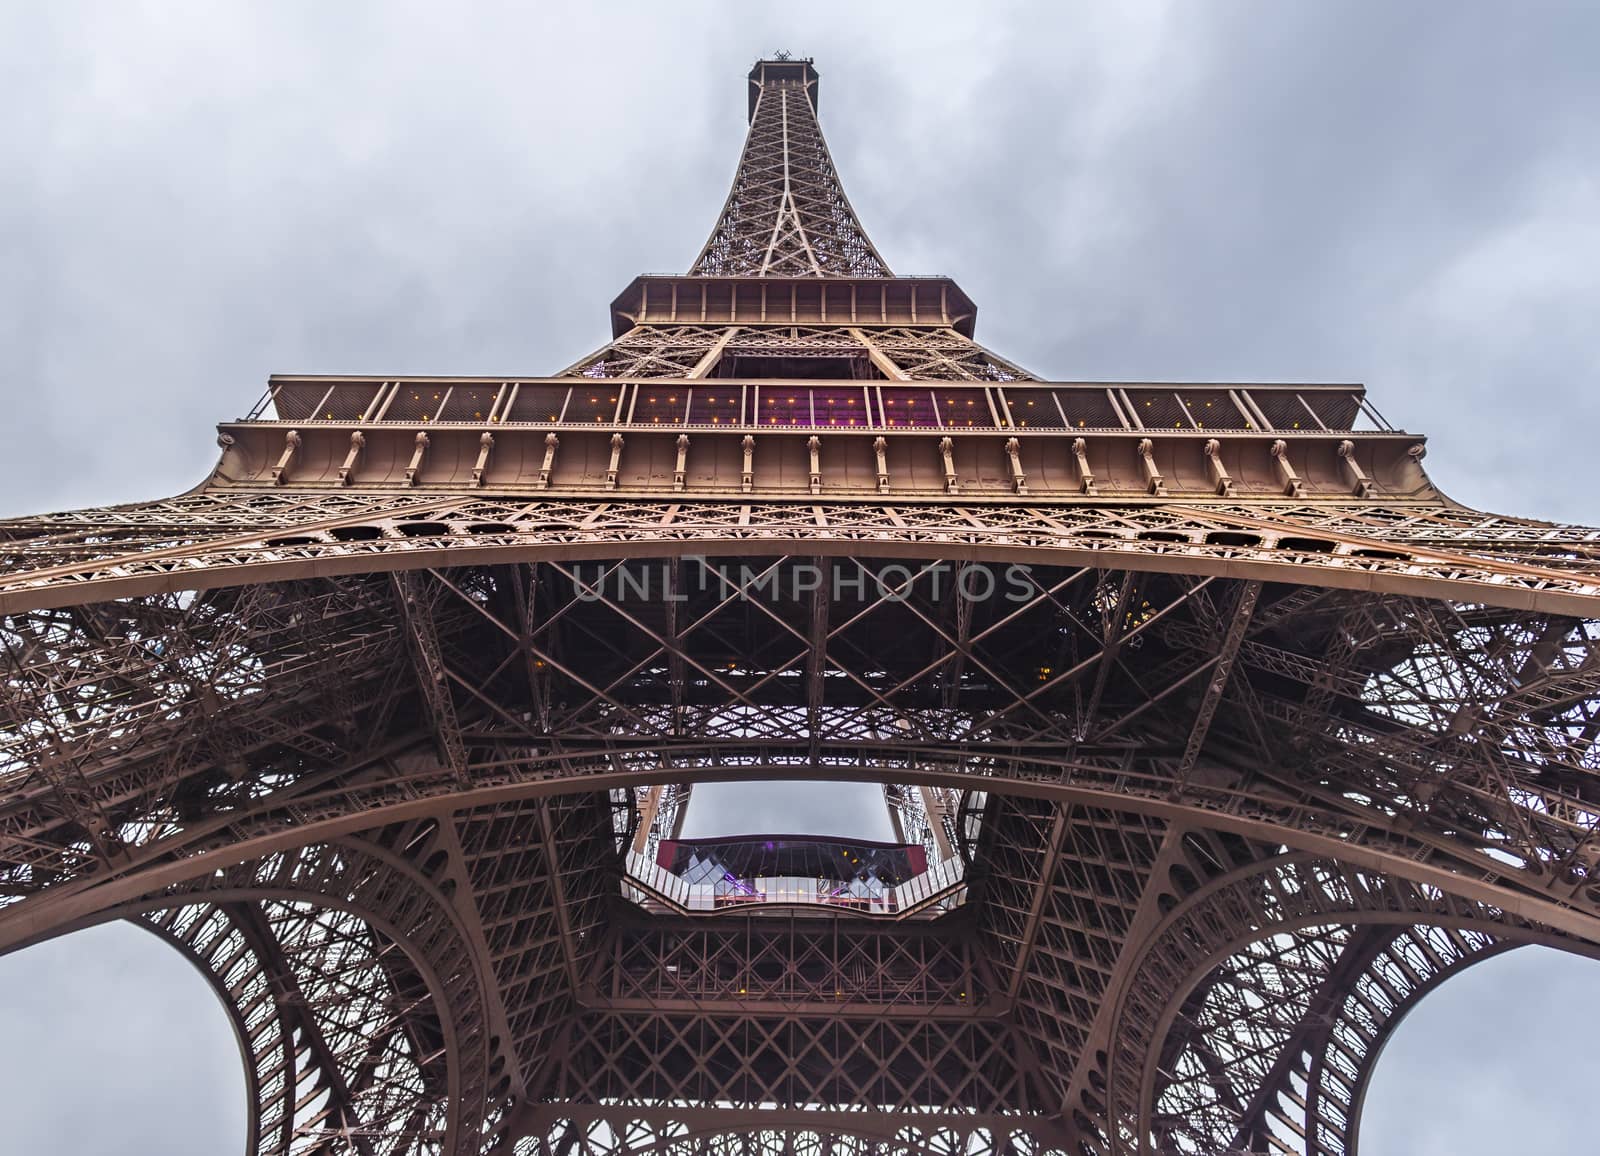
787	405
940	888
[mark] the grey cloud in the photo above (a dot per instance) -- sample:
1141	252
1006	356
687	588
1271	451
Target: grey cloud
1492	1062
113	1043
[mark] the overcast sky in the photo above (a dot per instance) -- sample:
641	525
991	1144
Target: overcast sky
195	195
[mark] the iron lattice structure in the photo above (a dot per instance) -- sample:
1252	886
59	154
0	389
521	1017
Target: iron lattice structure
1241	734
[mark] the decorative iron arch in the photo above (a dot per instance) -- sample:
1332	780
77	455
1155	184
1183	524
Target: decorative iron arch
293	942
1334	925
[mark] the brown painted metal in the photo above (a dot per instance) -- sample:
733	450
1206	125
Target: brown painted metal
1245	735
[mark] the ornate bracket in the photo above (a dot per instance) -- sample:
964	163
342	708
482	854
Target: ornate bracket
1360	484
1219	472
1292	485
947	455
357	441
485	447
1080	455
615	463
551	444
291	446
1019	480
416	458
1152	476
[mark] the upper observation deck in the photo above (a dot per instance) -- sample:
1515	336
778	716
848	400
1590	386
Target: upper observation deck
832	433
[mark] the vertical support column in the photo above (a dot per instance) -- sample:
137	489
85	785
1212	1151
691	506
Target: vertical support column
817	659
417	594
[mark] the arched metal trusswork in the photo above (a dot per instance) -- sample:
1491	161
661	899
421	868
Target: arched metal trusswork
358	1006
1254	1016
1412	965
1080	839
1105	819
1257	733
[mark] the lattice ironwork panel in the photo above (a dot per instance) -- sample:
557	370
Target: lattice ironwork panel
789	1061
1062	888
540	874
823	962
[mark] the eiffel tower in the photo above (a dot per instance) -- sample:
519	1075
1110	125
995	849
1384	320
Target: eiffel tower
1214	736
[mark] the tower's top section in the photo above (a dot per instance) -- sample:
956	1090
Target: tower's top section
787	215
783	69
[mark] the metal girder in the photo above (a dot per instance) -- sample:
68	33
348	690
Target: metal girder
563	916
356	1002
416	597
790	1060
1222	671
1441	553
